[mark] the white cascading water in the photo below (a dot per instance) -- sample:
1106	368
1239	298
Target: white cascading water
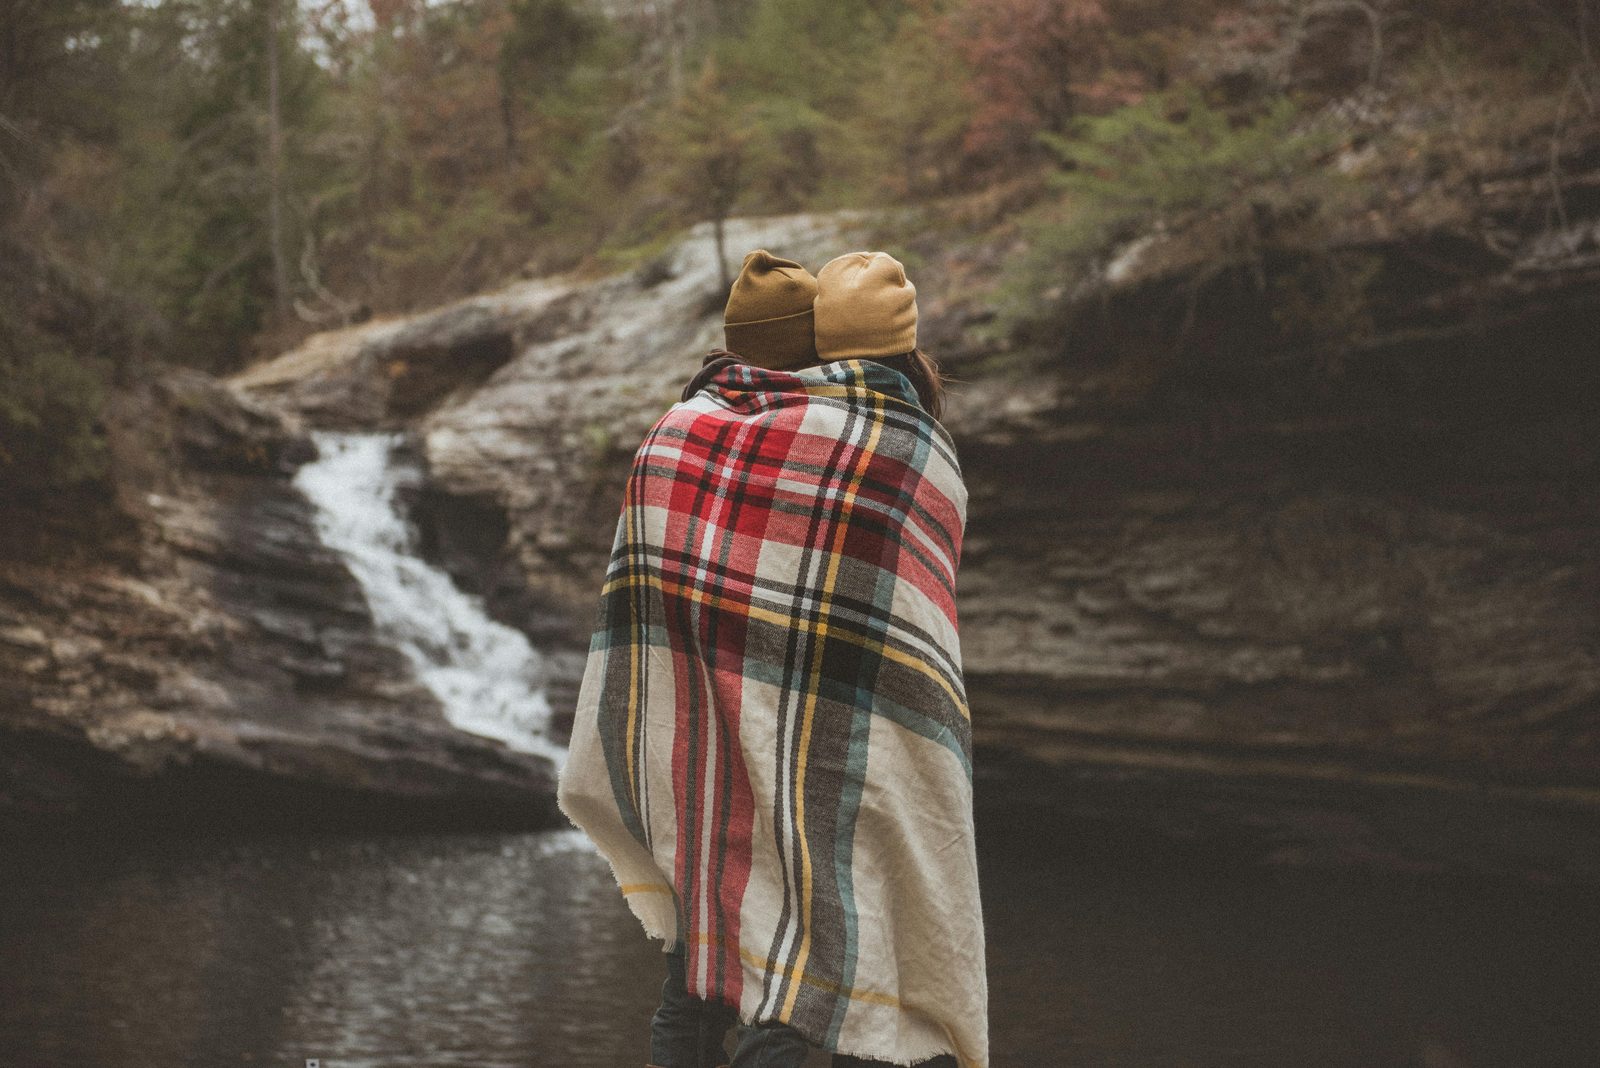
483	672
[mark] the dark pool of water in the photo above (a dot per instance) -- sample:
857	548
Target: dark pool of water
516	950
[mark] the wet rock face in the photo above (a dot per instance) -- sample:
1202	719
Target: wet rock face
214	431
1231	588
1377	591
1414	538
1328	602
429	359
226	672
1221	582
385	374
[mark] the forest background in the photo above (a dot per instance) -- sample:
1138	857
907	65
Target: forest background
203	182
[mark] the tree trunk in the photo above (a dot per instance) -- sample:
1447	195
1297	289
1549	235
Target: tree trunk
280	267
722	255
508	121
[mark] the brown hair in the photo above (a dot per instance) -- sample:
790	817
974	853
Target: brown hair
926	378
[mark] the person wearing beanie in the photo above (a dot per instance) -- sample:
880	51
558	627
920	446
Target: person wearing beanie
768	317
767	321
865	306
771	743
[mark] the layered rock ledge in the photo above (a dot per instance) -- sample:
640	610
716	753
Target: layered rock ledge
1224	583
217	666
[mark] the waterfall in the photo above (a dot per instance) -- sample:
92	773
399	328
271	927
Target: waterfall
485	674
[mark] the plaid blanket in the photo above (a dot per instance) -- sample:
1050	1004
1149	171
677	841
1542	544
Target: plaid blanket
772	745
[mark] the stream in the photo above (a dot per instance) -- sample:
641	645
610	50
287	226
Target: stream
516	951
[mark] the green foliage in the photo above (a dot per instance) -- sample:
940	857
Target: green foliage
910	113
50	402
787	159
543	131
795	71
173	214
1170	164
703	143
58	80
550	86
547	40
805	50
1174	154
423	240
436	148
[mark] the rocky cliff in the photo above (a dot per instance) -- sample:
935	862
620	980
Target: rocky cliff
1318	593
212	664
1225	582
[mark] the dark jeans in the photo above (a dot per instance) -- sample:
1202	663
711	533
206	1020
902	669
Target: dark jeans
687	1032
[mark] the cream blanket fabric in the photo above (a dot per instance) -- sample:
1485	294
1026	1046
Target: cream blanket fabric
772	745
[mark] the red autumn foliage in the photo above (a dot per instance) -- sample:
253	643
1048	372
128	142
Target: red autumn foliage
1035	64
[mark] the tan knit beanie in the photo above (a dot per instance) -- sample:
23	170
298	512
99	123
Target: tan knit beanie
768	317
865	307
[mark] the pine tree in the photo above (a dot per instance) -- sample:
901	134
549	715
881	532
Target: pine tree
706	140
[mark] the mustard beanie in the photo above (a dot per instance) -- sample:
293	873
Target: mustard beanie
865	307
768	317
